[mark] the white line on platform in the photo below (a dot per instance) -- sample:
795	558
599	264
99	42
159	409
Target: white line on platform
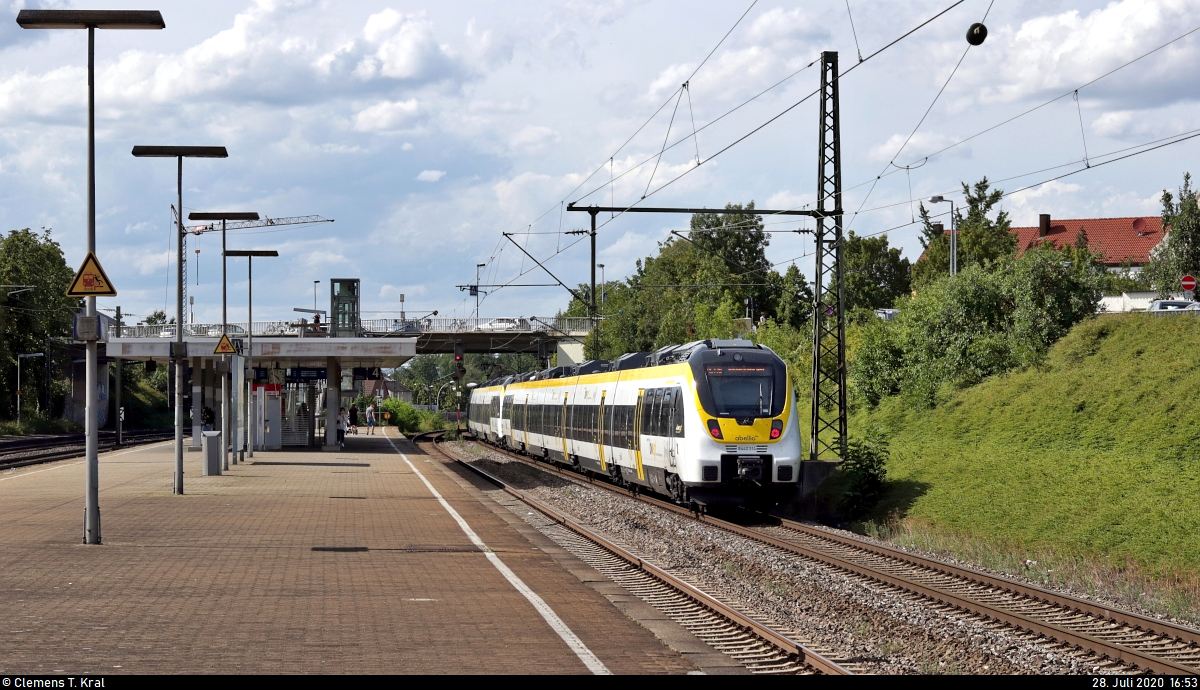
585	655
107	455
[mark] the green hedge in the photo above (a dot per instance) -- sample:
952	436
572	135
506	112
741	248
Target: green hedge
408	418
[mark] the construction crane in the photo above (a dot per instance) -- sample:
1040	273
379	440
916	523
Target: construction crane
238	225
261	223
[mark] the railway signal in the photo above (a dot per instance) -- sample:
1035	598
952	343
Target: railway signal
460	370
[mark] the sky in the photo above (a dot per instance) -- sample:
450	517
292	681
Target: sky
429	130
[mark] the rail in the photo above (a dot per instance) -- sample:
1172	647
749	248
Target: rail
797	656
1141	642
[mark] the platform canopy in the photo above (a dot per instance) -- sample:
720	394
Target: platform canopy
281	353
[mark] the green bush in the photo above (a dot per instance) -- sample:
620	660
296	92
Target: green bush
408	418
865	469
402	415
982	322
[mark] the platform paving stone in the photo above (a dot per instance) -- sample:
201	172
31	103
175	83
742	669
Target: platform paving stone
292	562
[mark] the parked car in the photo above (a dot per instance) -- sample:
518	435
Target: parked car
214	331
500	325
1170	306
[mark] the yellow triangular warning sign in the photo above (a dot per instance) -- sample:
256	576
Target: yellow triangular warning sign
91	281
224	347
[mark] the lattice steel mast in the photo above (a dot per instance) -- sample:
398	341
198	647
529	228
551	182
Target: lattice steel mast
828	432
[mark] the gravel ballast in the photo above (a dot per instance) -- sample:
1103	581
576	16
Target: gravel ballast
880	629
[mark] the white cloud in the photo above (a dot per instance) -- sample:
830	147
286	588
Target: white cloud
1025	207
406	147
431	175
387	115
922	143
533	139
788	200
404	48
1061	51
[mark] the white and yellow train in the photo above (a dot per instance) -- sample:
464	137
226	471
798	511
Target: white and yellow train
710	422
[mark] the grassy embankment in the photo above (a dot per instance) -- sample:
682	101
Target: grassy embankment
1090	465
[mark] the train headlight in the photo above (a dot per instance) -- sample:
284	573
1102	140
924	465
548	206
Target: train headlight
776	429
714	428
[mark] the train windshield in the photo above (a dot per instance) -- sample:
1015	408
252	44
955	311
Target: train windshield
742	390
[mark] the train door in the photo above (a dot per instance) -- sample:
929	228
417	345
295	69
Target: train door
524	423
563	430
600	431
637	435
670	400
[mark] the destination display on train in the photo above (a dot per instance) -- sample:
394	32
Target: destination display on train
737	370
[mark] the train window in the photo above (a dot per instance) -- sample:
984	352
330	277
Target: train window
661	407
608	424
647	405
631	425
677	417
664	412
744	390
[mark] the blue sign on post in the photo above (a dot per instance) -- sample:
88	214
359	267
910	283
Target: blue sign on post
305	374
367	373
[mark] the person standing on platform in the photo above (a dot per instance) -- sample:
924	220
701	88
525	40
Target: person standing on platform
371	419
354	419
341	427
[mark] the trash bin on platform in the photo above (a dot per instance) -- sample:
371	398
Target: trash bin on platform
211	452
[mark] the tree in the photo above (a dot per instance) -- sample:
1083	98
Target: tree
875	274
794	306
983	241
740	241
31	318
934	261
960	330
158	317
1179	252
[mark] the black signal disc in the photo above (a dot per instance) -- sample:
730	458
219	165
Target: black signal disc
976	34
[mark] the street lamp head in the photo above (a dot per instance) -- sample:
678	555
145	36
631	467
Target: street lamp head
936	199
84	19
180	152
225	215
480	265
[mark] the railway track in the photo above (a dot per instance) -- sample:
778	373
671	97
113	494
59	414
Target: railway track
24	451
1125	639
761	646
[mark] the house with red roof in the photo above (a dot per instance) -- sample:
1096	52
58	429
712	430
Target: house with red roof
1117	240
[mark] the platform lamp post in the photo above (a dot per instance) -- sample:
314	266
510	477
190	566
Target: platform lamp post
91	20
953	232
178	351
249	254
227	432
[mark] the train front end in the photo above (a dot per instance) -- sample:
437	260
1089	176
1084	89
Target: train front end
749	451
